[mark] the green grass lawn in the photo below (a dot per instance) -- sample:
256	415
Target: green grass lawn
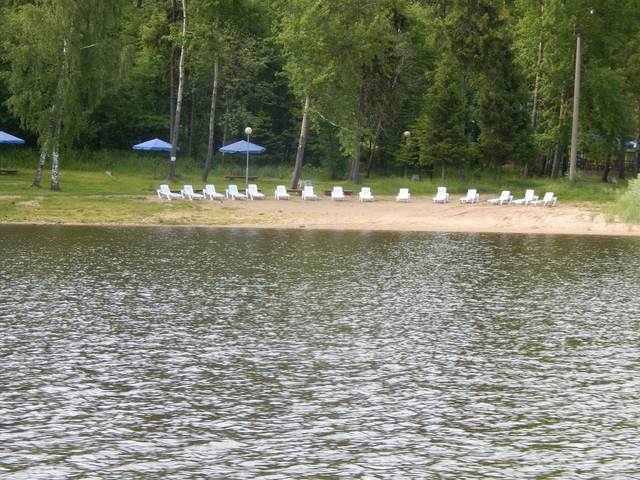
94	196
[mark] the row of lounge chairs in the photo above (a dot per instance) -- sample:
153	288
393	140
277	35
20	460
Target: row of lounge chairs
365	195
252	193
505	198
336	194
530	198
209	192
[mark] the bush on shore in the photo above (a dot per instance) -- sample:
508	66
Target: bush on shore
627	207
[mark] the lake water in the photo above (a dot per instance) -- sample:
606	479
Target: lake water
203	353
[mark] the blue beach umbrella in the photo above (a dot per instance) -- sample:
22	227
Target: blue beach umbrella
154	145
10	139
245	147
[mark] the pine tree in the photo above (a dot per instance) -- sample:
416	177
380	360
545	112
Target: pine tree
502	116
441	127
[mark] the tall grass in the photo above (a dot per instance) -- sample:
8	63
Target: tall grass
627	206
155	163
96	160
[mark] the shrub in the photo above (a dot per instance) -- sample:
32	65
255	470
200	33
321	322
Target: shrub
627	206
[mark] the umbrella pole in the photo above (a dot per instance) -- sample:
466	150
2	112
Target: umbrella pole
246	172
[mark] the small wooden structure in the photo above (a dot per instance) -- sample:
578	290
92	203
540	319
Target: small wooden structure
346	192
238	177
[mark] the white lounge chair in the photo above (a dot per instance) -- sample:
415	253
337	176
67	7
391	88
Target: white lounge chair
528	198
210	192
165	191
233	193
337	193
308	194
505	197
281	193
188	192
548	199
441	196
254	194
403	195
472	196
365	195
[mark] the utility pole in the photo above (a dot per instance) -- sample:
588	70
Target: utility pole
575	124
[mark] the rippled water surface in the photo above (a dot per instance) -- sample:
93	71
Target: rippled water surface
198	353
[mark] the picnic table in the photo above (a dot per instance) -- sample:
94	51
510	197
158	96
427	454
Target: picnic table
346	192
238	177
8	171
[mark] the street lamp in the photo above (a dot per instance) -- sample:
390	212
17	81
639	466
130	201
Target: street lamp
248	131
406	134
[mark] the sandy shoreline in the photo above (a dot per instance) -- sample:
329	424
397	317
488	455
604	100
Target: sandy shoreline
420	215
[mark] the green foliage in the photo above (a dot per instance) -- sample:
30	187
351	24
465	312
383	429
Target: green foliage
356	60
476	105
441	128
627	206
607	29
59	52
460	75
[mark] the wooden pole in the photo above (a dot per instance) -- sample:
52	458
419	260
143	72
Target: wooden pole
575	124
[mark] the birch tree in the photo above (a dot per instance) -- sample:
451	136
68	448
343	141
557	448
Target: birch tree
337	54
171	174
62	55
306	66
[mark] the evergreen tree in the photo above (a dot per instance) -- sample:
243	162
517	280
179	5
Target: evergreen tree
441	127
505	132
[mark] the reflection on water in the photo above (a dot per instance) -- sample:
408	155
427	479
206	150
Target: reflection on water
193	353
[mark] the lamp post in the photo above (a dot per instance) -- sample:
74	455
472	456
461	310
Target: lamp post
575	122
248	131
405	135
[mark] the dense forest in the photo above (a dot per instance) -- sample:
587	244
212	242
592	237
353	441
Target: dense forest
452	87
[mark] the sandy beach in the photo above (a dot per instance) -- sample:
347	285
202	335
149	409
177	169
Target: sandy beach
385	214
420	214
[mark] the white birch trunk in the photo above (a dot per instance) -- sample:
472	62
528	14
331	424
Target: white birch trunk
43	158
225	131
176	125
55	157
297	169
172	74
355	162
58	111
212	121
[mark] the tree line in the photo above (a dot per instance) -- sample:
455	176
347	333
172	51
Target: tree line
455	87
